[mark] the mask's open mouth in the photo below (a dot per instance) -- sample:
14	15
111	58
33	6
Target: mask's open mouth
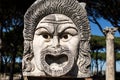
59	59
57	64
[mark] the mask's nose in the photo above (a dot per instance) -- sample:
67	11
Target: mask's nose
55	42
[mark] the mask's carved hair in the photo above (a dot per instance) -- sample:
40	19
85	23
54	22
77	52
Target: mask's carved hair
70	8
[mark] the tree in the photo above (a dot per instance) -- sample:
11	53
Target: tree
107	9
11	23
98	48
97	44
117	44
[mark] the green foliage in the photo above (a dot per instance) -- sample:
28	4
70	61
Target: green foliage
101	56
97	42
117	56
117	43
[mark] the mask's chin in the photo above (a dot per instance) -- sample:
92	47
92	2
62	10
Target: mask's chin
57	64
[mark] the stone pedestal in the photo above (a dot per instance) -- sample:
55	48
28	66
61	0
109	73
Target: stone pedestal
45	78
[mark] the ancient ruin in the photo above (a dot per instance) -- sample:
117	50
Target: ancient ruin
110	54
56	40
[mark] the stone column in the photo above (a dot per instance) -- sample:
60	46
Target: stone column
110	55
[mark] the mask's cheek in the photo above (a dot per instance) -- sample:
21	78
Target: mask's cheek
38	45
73	45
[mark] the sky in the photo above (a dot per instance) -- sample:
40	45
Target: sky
104	23
104	66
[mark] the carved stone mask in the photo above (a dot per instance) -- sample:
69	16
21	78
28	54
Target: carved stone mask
55	44
56	39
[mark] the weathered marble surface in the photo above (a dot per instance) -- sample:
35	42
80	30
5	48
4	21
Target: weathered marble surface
110	54
56	39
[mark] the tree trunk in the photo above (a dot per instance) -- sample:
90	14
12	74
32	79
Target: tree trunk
1	51
97	61
13	64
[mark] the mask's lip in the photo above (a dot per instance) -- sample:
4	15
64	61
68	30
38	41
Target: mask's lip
59	72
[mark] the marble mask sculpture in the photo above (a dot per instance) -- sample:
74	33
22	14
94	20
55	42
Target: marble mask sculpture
56	39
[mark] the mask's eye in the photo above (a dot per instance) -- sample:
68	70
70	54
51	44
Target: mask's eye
46	36
66	37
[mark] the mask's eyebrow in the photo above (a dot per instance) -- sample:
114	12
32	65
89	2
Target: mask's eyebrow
63	27
41	28
65	21
56	20
47	26
70	30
